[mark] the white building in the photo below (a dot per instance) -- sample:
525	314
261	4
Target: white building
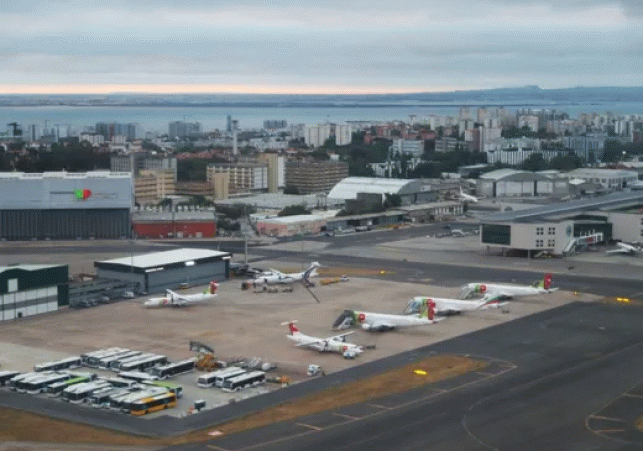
411	147
93	138
343	135
607	178
316	135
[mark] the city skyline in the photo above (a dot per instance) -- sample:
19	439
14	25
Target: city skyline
333	47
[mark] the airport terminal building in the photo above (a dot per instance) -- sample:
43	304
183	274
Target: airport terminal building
63	205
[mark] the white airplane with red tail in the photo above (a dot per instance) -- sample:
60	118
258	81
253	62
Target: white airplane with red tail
448	307
336	343
509	291
174	299
383	322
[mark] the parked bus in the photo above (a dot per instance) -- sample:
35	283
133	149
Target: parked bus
152	404
81	392
231	372
138	376
116	366
91	359
101	398
120	382
40	385
243	381
64	364
125	404
163	372
169	386
208	379
57	388
105	362
115	400
16	382
6	376
144	364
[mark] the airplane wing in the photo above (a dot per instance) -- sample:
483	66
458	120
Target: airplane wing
381	326
311	342
177	299
620	250
340	337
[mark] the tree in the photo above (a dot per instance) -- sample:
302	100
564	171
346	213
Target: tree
425	170
613	151
293	210
535	162
290	189
566	162
392	200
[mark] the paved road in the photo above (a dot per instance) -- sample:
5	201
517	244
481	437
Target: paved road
570	363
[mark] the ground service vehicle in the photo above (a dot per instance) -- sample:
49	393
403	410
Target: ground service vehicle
120	382
115	366
13	382
40	385
244	381
6	376
163	372
19	382
80	393
152	404
231	372
125	404
207	380
57	388
105	362
64	364
138	376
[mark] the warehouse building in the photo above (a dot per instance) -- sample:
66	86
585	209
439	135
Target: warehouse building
511	182
411	191
27	290
157	271
62	205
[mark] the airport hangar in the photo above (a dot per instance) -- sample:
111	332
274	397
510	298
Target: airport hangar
62	205
157	271
27	290
560	228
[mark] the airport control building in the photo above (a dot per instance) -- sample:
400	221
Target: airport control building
64	205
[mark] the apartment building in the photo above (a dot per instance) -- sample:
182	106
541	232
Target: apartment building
242	177
315	176
150	187
316	135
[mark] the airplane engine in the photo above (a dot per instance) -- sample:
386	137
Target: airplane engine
367	326
349	354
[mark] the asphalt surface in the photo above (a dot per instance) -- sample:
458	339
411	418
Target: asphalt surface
574	366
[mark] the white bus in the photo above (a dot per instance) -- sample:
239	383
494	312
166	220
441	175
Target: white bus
226	374
208	379
244	381
120	382
163	372
6	376
101	398
143	364
116	366
91	359
125	404
115	399
16	382
57	388
106	362
64	364
40	385
81	392
137	376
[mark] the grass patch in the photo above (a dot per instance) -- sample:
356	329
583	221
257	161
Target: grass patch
18	425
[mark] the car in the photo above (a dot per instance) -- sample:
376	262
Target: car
128	295
328	233
104	300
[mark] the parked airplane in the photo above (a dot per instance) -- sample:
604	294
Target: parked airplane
625	248
509	290
467	197
448	307
336	343
173	299
382	322
274	276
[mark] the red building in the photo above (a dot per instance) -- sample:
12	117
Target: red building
178	229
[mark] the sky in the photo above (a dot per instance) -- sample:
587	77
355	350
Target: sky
327	46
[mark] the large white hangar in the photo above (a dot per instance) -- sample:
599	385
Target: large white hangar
411	191
157	271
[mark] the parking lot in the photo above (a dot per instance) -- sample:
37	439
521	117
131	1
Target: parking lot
246	324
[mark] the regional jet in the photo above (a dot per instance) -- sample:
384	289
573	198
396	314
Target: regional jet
625	248
336	343
173	299
382	322
467	197
508	291
448	307
274	276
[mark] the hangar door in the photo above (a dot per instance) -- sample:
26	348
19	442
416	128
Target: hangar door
544	187
29	302
514	188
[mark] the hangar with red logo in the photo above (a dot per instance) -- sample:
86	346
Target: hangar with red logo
65	205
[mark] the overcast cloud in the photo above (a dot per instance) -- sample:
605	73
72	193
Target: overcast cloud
283	45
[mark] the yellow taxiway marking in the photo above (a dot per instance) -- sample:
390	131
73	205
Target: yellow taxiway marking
632	395
346	416
598	417
310	426
607	431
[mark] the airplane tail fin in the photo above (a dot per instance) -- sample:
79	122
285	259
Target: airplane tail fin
294	330
311	271
429	311
213	287
545	282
